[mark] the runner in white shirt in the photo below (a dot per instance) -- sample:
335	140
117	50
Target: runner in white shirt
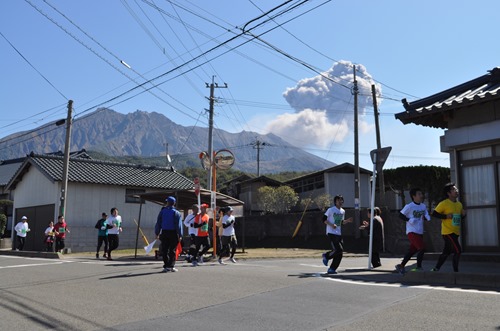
114	220
414	214
228	239
22	230
334	218
192	231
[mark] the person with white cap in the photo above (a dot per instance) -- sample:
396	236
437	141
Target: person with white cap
169	229
228	239
22	230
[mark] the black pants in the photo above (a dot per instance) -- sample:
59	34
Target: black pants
100	241
192	245
59	244
229	245
113	243
337	251
451	245
20	242
49	243
169	241
201	242
376	259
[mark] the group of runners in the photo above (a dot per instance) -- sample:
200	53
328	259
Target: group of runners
450	211
169	230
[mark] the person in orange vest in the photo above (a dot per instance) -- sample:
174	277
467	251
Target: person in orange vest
202	239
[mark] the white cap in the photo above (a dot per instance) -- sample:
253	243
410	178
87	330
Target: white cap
24	218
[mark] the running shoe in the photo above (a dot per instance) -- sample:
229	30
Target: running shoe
221	262
232	260
331	271
194	263
325	259
400	269
165	270
434	269
417	269
174	269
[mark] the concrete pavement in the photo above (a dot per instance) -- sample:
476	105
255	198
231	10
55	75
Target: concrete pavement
476	270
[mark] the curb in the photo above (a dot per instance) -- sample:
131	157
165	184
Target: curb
44	255
453	279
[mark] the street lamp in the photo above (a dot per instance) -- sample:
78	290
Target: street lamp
378	156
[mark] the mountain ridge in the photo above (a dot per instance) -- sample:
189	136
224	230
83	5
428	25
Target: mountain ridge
145	134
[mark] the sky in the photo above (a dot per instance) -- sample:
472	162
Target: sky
288	66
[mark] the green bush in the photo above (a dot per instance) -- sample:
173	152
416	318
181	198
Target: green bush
3	223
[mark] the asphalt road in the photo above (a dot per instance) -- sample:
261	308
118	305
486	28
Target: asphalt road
284	294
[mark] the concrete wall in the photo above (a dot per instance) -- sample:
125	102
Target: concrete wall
275	231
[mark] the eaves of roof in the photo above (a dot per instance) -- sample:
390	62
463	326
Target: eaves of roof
264	179
432	111
105	173
340	168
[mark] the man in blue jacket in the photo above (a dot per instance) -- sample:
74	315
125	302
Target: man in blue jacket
168	229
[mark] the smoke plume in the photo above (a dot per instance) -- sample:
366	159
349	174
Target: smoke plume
324	106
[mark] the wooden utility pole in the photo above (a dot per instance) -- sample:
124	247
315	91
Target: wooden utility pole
211	153
257	145
381	184
357	202
211	100
64	183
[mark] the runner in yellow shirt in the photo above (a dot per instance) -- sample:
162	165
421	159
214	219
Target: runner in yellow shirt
451	213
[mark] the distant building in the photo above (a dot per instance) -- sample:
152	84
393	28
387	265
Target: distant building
470	115
333	181
246	189
94	187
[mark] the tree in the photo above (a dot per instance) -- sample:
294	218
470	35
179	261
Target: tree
3	223
3	217
278	200
324	201
430	179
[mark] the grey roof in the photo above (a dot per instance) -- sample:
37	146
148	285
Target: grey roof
340	168
102	172
8	170
430	111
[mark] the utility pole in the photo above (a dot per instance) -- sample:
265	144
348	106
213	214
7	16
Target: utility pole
381	184
64	184
357	201
211	100
257	145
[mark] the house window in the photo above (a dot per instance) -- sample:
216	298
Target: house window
129	195
478	191
477	153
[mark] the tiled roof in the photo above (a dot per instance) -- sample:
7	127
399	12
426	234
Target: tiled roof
7	171
107	173
339	168
429	111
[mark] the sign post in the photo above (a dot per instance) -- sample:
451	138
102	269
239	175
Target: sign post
378	156
196	181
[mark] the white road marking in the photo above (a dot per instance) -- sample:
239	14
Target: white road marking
30	265
424	287
313	265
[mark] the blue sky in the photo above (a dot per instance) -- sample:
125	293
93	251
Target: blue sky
408	49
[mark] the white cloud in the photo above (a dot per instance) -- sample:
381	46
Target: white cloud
324	106
308	126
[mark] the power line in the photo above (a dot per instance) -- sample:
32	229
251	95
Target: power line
32	66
